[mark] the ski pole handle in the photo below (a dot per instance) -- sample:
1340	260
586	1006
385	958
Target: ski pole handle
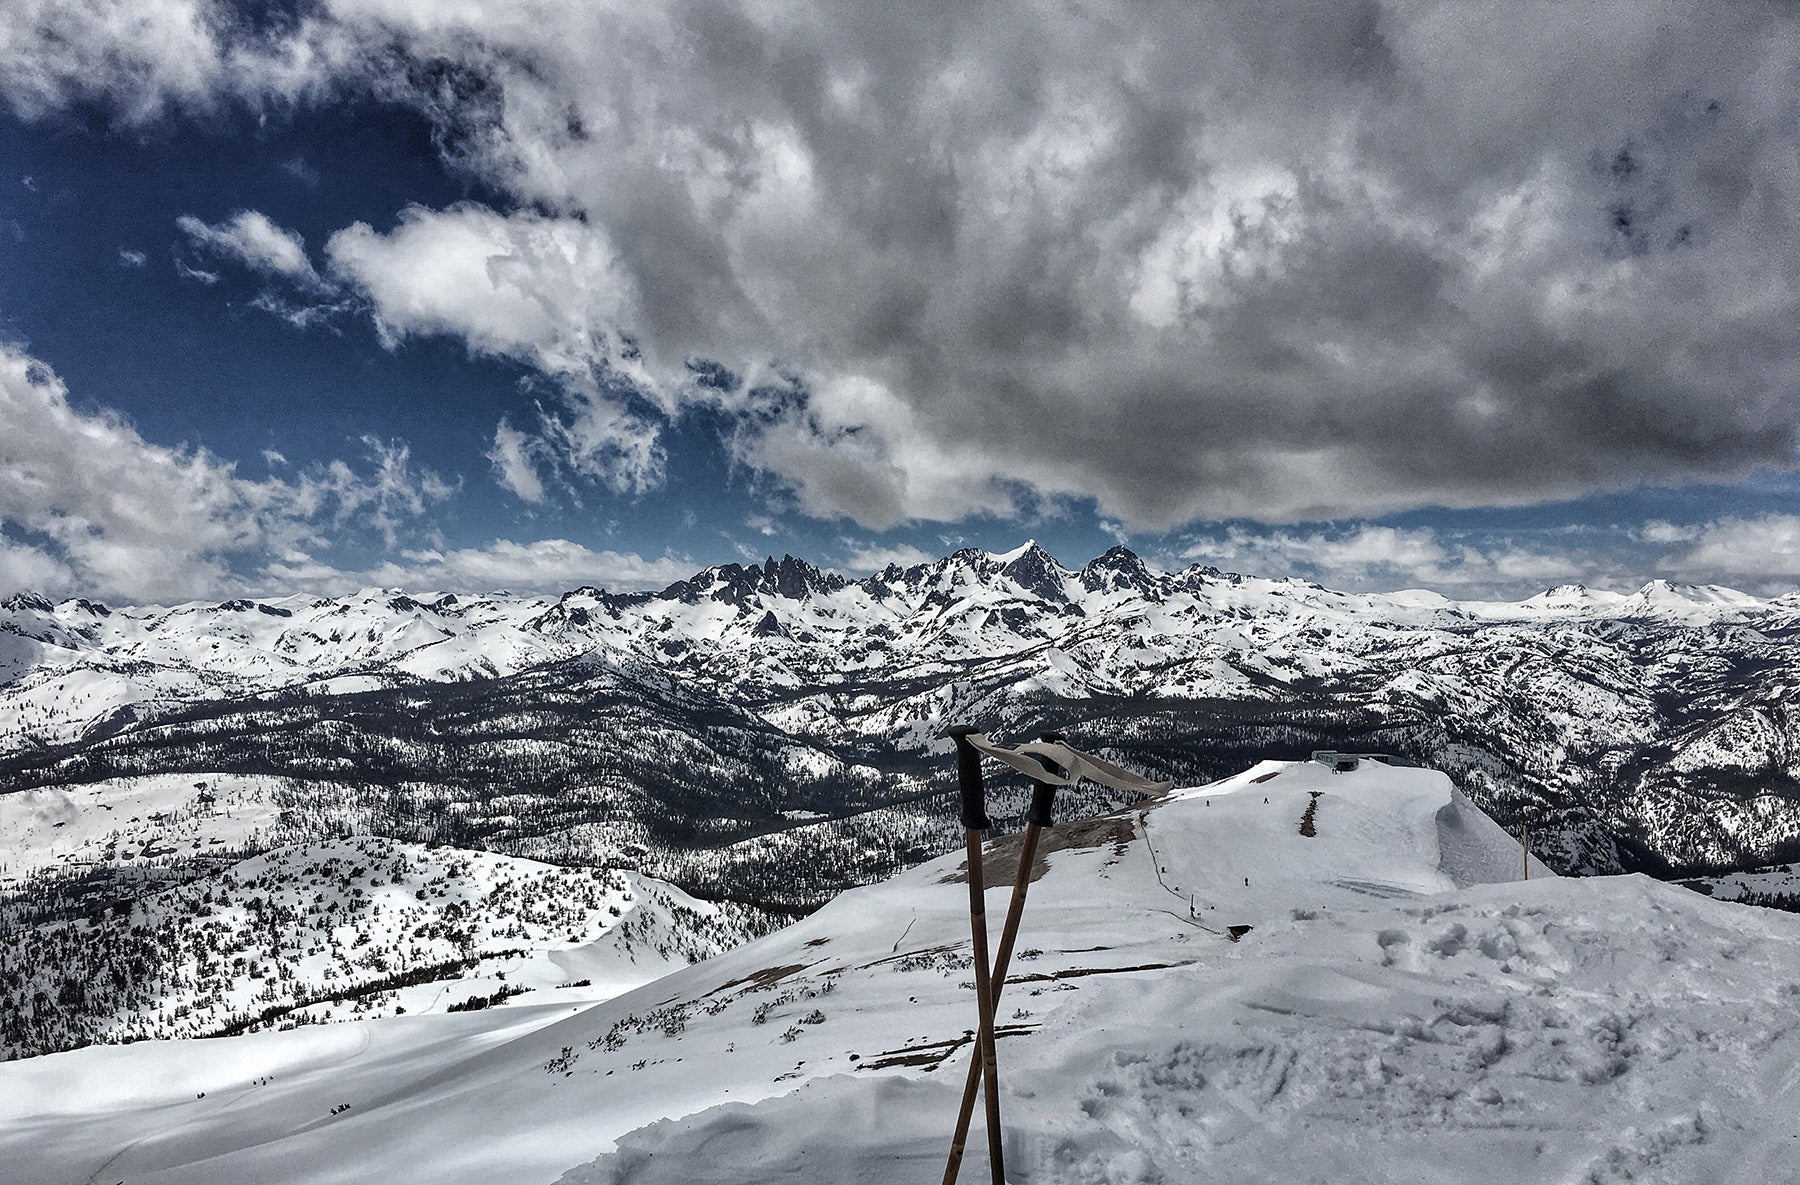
968	776
1043	793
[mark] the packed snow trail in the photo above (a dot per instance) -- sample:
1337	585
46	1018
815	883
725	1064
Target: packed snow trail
1399	1010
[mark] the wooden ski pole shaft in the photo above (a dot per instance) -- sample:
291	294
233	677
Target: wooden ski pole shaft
1037	819
975	821
964	1117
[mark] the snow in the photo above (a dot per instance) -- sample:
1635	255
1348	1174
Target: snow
349	928
1401	1010
1006	557
103	823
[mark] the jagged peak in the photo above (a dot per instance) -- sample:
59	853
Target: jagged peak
789	577
795	579
28	602
1037	572
1118	567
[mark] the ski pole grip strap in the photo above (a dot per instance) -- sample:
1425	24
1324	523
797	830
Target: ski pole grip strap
968	776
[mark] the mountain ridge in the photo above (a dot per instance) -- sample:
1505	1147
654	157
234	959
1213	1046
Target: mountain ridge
1657	730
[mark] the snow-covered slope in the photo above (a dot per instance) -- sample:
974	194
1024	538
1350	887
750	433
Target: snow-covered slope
356	927
1399	1010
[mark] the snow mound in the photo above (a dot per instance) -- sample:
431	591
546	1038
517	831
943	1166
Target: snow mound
1505	1034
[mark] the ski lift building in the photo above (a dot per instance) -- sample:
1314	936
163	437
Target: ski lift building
1343	763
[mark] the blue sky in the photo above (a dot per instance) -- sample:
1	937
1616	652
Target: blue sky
531	295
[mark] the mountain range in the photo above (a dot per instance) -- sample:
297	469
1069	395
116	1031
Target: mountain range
771	732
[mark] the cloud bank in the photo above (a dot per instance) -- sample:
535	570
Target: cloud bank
88	506
1191	262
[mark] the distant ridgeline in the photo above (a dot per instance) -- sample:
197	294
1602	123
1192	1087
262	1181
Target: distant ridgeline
767	733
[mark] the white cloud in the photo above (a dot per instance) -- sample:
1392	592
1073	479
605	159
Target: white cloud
513	464
1457	563
250	238
134	259
23	566
53	53
546	566
187	272
1666	532
142	58
91	506
1183	261
1760	554
866	556
530	288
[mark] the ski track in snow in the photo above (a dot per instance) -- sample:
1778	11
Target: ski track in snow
1401	1011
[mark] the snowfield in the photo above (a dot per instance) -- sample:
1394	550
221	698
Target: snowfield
1400	1010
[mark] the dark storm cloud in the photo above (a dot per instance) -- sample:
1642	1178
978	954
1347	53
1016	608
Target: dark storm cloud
1287	261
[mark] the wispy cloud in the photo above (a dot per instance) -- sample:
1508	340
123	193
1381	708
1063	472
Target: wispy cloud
859	556
250	238
132	259
514	464
547	566
88	505
301	170
189	272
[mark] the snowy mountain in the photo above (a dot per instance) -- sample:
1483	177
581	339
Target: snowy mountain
768	735
777	705
1396	1008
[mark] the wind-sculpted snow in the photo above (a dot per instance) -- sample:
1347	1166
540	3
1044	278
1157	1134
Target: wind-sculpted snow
1392	1013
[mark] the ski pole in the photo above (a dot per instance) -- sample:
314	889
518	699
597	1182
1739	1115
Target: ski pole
975	821
1037	818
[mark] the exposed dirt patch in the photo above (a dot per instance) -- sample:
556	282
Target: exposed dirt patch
1000	858
766	978
1079	972
931	1054
1306	821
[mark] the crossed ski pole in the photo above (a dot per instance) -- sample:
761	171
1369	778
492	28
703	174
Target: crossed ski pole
1049	763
